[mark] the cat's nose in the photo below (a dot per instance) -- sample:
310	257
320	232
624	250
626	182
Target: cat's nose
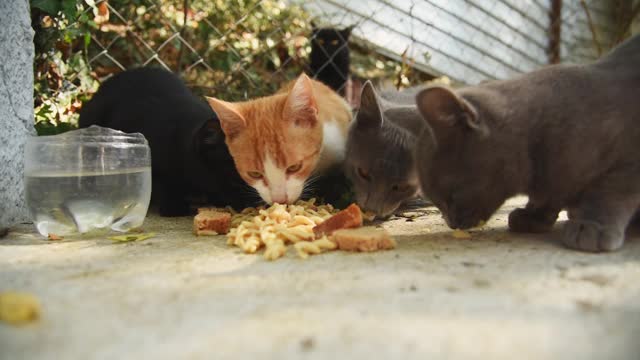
282	199
278	194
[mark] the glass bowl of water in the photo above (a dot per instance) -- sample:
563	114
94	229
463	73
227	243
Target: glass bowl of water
87	182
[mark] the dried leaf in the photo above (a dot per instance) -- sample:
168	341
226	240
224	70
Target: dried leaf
103	9
54	237
460	234
101	13
132	237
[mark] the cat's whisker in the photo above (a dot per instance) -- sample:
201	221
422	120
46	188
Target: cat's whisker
251	197
310	186
254	198
312	180
249	194
309	194
309	189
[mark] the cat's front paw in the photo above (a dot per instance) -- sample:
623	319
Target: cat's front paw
528	221
591	236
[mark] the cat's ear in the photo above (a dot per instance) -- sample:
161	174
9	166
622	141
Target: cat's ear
314	27
370	113
231	121
445	110
346	32
301	107
211	133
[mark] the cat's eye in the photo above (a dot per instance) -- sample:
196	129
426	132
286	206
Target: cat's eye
294	168
320	41
334	42
363	174
401	188
254	175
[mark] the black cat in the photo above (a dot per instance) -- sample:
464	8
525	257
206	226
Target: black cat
329	58
188	153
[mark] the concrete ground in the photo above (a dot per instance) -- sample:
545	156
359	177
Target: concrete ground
495	296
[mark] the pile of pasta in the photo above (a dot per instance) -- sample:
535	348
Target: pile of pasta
276	227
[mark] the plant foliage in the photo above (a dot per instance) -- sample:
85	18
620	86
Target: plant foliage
234	49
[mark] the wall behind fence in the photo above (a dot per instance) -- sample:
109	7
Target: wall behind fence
467	40
474	40
591	32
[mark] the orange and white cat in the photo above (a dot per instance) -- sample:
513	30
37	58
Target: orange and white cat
277	142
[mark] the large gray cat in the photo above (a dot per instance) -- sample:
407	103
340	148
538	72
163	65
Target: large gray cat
380	148
568	136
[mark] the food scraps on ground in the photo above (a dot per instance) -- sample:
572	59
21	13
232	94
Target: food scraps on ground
309	227
211	221
460	234
277	226
51	236
367	238
304	248
350	217
18	308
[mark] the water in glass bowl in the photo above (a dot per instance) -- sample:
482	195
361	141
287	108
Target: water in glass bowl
88	203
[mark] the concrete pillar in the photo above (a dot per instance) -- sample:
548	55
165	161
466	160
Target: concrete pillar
16	106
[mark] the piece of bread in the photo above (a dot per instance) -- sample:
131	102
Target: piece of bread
211	222
367	238
351	217
216	209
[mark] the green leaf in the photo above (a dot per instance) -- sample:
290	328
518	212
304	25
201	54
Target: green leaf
83	18
71	34
44	111
87	40
45	128
64	127
69	9
51	7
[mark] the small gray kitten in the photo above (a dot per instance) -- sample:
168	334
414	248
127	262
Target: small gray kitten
380	150
568	136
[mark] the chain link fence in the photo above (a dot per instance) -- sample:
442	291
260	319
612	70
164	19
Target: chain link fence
245	48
